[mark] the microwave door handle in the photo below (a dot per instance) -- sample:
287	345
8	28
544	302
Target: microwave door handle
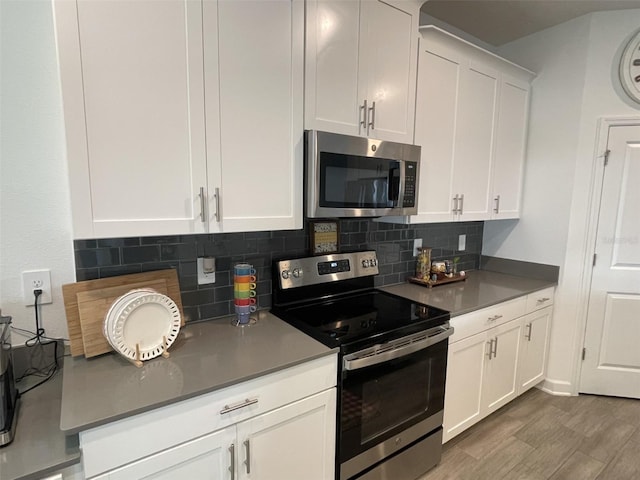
397	201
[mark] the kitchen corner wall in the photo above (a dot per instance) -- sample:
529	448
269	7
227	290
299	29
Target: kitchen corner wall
393	243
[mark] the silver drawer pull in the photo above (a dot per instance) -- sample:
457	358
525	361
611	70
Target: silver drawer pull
238	406
544	299
494	318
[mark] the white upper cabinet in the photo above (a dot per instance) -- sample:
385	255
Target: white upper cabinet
471	122
510	139
134	115
157	100
361	60
260	78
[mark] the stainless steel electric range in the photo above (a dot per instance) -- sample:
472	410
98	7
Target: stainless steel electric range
393	355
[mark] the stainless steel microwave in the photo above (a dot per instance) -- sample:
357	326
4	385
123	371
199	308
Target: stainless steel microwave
349	176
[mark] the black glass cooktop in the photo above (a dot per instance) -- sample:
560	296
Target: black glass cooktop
361	319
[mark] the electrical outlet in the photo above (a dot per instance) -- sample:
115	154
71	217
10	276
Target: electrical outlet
417	243
34	280
462	243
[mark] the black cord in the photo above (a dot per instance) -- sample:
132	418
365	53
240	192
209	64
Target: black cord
37	345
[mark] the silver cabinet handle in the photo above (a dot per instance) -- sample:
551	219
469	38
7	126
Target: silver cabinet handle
247	462
372	123
495	348
238	406
203	206
528	334
232	467
461	209
365	112
497	207
455	204
494	318
217	197
490	343
542	300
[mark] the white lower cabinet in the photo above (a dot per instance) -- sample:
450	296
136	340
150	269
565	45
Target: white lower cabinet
279	426
534	348
496	354
290	442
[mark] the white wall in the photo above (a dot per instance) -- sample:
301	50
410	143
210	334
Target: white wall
35	218
577	84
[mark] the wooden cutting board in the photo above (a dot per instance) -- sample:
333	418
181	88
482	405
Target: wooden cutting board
93	307
71	290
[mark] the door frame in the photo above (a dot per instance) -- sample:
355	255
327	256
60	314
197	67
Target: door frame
595	196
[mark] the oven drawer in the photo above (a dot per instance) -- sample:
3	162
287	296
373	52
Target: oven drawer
540	299
481	320
109	446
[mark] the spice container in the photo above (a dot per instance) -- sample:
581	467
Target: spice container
423	263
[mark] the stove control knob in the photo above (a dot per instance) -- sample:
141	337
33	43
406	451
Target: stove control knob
285	274
365	263
297	273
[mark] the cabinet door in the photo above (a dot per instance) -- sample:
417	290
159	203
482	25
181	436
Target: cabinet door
294	441
388	61
500	385
134	115
435	127
208	457
465	376
533	358
261	49
331	63
510	148
474	141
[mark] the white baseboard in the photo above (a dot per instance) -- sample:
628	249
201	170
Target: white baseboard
556	387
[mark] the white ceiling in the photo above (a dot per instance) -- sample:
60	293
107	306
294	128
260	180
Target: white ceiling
501	21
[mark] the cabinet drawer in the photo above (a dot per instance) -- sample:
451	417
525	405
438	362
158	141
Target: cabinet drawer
109	446
540	299
481	320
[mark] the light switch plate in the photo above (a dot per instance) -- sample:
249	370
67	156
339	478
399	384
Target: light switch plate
462	243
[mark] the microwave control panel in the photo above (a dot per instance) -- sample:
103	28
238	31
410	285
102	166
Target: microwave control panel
410	170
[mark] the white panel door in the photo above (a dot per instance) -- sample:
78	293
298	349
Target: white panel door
474	141
532	363
612	360
501	383
388	60
331	63
465	376
261	114
510	143
205	458
139	108
296	441
435	128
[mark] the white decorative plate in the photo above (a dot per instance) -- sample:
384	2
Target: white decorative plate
143	320
114	311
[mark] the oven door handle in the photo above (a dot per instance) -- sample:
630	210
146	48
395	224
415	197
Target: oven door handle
351	364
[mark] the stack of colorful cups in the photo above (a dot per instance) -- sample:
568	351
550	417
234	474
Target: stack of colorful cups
244	290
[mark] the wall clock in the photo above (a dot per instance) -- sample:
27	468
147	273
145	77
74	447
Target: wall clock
630	68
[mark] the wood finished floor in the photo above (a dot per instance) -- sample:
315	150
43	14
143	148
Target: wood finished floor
540	436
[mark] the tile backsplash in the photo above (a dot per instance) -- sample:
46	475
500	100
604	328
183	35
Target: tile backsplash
394	244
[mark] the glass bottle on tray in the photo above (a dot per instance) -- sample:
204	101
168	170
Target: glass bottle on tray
423	263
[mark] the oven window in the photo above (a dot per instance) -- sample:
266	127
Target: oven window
358	182
382	400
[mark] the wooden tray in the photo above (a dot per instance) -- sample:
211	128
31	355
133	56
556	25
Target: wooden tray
70	294
443	281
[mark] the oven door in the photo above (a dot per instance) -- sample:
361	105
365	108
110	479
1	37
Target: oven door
392	395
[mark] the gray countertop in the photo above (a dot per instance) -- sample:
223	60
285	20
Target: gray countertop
481	289
39	447
207	356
